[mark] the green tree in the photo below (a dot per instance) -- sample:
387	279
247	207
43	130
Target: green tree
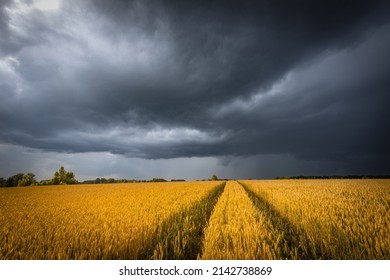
159	180
63	177
14	180
214	178
27	180
3	182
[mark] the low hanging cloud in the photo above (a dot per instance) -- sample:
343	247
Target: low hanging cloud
174	79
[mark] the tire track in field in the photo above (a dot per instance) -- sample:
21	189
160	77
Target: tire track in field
292	241
236	230
181	235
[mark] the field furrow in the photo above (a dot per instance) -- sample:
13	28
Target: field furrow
288	238
116	221
236	229
335	219
263	219
181	235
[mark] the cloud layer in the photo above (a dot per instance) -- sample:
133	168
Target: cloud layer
174	79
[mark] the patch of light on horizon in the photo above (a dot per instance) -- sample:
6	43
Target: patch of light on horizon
128	137
179	134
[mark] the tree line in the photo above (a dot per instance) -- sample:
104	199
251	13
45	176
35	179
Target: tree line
112	181
60	177
63	177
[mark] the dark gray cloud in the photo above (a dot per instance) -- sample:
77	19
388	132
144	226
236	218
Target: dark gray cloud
175	79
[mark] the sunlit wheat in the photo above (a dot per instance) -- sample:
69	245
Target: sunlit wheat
237	230
337	219
90	221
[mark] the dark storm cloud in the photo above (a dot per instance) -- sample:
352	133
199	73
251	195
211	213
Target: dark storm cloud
167	79
326	111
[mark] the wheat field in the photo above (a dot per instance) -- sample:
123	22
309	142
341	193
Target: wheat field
263	219
331	219
237	230
119	221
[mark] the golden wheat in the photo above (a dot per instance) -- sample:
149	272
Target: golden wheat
181	236
237	230
336	219
276	219
90	221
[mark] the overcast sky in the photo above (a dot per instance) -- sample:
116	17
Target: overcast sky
187	89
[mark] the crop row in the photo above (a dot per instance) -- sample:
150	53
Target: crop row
117	221
276	219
